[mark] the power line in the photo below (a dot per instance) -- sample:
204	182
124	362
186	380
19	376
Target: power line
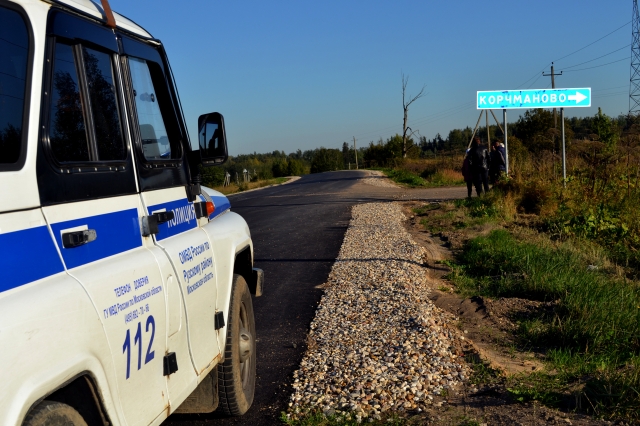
605	36
534	81
536	74
595	59
602	65
609	88
456	109
606	95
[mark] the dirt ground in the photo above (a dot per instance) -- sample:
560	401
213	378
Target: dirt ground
488	326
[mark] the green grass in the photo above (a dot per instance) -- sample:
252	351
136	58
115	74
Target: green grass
412	180
405	177
479	206
595	310
592	335
317	418
465	421
421	211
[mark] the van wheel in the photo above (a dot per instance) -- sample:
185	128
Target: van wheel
51	413
237	375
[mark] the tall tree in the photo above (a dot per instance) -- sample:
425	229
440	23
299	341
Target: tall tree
406	102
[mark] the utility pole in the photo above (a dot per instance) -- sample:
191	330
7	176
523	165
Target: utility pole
356	151
553	86
555	114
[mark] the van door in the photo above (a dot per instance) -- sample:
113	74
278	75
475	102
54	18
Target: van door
89	198
160	144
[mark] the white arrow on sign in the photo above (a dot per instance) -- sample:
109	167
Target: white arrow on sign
578	97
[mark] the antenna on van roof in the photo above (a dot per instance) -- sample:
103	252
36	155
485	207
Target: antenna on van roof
111	21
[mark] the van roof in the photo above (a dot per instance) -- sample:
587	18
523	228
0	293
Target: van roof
94	9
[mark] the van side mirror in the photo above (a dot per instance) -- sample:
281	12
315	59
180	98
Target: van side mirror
212	139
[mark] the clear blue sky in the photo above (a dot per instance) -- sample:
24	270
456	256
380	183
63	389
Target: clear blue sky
293	75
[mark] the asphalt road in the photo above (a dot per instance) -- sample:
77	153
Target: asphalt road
297	230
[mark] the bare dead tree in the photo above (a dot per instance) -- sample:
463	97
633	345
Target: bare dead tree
405	107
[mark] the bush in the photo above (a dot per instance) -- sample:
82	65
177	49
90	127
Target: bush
405	177
537	197
212	176
325	160
295	168
280	168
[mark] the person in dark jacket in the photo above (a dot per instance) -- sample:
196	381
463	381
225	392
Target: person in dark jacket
466	173
479	161
502	158
497	162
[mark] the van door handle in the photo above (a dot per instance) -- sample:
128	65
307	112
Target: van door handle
78	238
150	223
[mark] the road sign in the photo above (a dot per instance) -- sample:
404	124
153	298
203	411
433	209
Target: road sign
535	98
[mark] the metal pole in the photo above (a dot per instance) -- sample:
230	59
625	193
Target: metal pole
496	120
475	129
486	115
564	156
553	86
506	146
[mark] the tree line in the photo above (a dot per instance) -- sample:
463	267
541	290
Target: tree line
532	133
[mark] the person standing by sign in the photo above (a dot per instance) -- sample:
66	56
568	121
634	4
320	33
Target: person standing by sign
466	173
479	161
497	163
501	156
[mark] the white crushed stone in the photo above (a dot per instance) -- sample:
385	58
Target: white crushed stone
377	178
377	342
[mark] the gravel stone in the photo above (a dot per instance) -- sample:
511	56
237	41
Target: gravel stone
377	343
377	178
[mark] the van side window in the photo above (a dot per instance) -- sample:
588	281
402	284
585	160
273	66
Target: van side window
149	100
68	136
71	138
102	95
14	55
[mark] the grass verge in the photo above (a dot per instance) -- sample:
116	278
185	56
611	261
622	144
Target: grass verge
427	179
591	335
245	186
317	418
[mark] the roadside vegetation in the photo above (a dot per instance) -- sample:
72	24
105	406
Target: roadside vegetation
574	247
245	186
256	170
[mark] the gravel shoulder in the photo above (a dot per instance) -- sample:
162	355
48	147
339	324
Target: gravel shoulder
388	338
377	343
377	178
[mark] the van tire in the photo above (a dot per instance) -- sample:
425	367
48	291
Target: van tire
51	413
237	374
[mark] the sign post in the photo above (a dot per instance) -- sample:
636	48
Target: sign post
564	154
534	98
506	145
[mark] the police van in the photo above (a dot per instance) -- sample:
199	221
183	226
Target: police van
125	285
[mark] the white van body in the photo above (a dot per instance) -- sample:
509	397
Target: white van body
94	309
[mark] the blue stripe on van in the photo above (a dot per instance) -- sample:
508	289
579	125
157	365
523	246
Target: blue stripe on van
115	233
184	218
27	255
